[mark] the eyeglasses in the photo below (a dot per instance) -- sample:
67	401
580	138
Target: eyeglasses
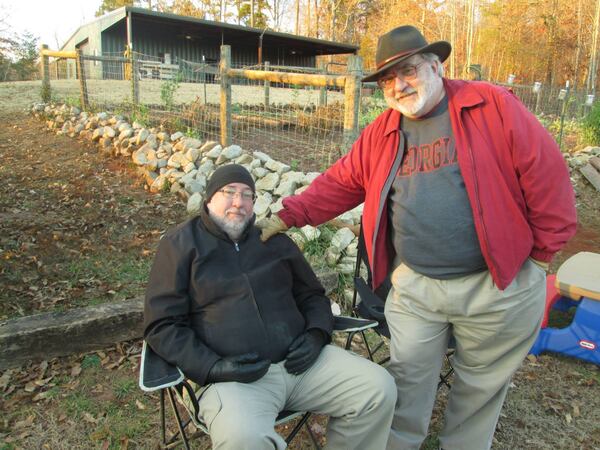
230	194
407	73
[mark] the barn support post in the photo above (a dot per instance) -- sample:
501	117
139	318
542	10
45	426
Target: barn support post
45	69
323	90
225	115
352	101
82	81
267	85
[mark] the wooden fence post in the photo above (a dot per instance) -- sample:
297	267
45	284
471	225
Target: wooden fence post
45	68
135	88
352	101
538	100
323	90
82	82
225	116
267	88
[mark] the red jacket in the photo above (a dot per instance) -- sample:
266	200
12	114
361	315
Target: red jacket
515	177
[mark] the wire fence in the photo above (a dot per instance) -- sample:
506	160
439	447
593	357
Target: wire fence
302	125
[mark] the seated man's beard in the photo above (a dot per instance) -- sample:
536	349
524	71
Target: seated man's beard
233	228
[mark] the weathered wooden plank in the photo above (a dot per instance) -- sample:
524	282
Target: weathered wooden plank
290	78
55	54
48	335
595	161
591	175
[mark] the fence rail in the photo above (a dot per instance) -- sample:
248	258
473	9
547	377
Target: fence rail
307	117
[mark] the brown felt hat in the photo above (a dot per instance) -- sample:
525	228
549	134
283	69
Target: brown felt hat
402	43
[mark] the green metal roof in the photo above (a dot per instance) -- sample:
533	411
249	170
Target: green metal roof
241	34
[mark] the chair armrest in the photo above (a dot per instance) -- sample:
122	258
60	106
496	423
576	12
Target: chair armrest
345	324
370	306
156	373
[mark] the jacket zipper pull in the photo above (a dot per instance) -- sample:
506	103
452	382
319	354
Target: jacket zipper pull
237	247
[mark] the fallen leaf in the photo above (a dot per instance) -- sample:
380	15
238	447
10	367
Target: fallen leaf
5	379
568	418
140	405
576	412
43	368
41	396
44	381
31	386
76	370
23	423
89	418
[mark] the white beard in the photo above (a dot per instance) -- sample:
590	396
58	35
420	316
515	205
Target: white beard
414	104
233	228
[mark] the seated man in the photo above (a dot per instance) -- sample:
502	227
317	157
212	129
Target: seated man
249	321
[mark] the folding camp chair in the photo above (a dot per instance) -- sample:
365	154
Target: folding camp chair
157	374
371	306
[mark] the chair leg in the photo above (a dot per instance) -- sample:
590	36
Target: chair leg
179	424
290	437
163	425
445	377
349	340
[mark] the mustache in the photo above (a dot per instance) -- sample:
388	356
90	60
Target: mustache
407	93
241	212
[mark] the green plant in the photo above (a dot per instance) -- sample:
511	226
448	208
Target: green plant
591	126
45	92
193	133
166	187
377	94
73	101
77	404
124	387
168	89
90	361
318	246
295	165
369	113
141	113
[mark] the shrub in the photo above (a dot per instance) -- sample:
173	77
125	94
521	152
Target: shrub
591	126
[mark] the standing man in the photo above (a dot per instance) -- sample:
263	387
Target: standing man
466	200
249	321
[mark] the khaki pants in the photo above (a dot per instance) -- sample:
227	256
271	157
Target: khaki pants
358	395
493	330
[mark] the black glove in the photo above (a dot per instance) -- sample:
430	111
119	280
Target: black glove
304	351
243	369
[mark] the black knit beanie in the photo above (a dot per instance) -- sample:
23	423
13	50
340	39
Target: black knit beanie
224	175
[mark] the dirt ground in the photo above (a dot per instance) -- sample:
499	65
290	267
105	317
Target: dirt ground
77	228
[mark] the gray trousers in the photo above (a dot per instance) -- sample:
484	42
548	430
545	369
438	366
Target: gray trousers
358	395
493	330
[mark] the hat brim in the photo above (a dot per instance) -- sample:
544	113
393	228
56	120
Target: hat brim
440	48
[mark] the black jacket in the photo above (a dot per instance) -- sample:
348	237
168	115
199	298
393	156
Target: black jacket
209	297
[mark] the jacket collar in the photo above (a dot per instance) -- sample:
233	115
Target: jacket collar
216	231
461	94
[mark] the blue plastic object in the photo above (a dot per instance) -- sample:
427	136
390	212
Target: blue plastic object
581	339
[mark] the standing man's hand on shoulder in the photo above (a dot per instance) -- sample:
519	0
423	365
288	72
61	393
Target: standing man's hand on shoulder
243	369
270	226
304	351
